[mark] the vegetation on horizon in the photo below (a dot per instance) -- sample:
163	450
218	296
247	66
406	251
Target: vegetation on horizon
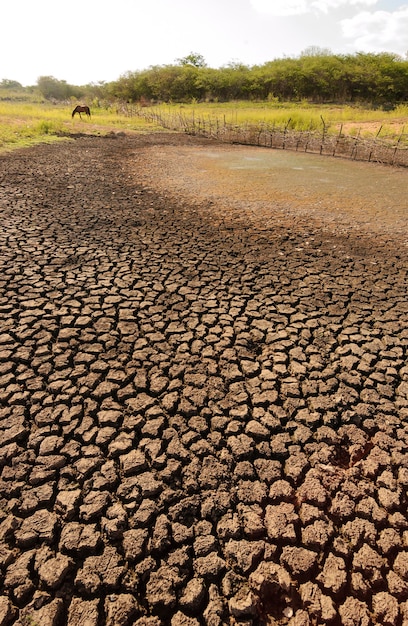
318	88
380	80
317	75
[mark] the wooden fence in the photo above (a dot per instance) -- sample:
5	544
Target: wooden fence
379	149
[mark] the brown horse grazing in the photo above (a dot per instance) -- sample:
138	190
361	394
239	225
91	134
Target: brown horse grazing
78	109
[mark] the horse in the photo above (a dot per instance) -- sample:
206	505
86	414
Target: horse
78	109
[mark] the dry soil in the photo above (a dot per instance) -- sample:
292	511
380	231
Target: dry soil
203	386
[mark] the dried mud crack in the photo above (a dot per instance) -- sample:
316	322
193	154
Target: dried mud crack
203	422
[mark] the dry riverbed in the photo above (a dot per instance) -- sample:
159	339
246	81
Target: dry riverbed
203	386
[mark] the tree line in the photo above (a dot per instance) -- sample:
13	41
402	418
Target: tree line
319	77
316	75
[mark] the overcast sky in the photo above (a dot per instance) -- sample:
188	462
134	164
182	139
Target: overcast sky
100	40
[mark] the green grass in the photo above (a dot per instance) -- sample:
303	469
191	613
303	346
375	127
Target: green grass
295	116
24	124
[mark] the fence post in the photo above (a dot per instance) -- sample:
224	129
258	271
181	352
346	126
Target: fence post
354	150
338	140
372	149
396	147
323	135
259	135
308	135
285	132
272	131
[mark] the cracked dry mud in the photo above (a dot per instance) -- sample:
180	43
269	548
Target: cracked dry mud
203	406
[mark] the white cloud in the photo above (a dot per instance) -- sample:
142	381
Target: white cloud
283	8
280	7
326	5
379	31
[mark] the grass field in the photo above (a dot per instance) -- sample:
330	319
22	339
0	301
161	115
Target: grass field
26	123
298	116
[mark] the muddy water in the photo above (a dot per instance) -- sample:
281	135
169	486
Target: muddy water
345	194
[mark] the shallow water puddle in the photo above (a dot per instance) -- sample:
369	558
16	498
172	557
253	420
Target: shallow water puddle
351	193
366	192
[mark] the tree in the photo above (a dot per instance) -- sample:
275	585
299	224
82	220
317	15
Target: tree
316	51
315	76
6	83
53	89
194	58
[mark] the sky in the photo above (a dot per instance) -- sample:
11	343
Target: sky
100	40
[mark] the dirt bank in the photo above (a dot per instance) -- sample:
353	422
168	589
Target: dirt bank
203	387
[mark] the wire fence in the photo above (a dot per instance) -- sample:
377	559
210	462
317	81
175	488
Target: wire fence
385	149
